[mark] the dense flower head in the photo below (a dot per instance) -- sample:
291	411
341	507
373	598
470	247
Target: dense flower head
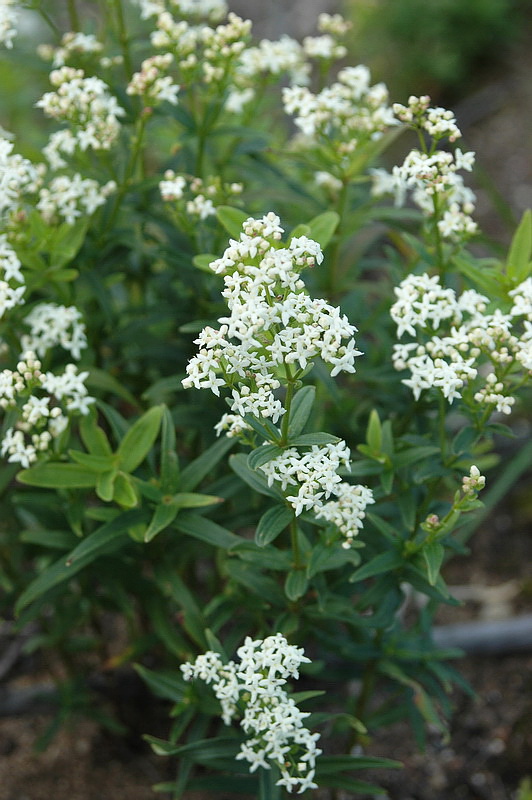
12	284
44	402
18	176
73	44
253	688
460	343
69	198
436	187
195	196
438	122
310	479
8	22
152	84
350	111
88	105
52	325
202	53
273	325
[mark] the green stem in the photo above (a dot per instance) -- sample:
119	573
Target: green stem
73	15
130	168
335	249
437	238
49	21
295	544
123	37
290	389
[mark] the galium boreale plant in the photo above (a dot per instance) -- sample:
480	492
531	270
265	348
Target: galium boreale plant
304	529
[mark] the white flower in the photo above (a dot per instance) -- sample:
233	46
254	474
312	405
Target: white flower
8	22
271	718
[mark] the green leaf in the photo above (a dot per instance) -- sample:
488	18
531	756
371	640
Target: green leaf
264	427
322	227
66	242
413	455
105	382
92	462
203	261
296	584
232	219
164	515
171	584
300	410
272	523
310	439
206	530
194	473
329	765
124	492
201	751
57	540
105	486
374	433
57	475
464	439
433	553
256	480
139	439
326	557
93	437
193	500
102	542
163	684
169	458
518	264
384	562
261	455
300	230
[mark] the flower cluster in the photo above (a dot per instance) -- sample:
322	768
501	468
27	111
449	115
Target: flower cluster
87	104
10	273
202	53
432	178
210	9
73	44
8	22
314	478
274	327
52	325
438	123
476	345
200	198
350	111
17	177
271	718
43	402
69	198
326	46
152	84
474	482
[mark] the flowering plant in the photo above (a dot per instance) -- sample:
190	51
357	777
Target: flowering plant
178	237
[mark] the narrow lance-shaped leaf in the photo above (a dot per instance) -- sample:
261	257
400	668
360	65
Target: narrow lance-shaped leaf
518	262
232	219
271	524
300	410
54	475
323	227
101	542
139	439
433	553
169	458
163	516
